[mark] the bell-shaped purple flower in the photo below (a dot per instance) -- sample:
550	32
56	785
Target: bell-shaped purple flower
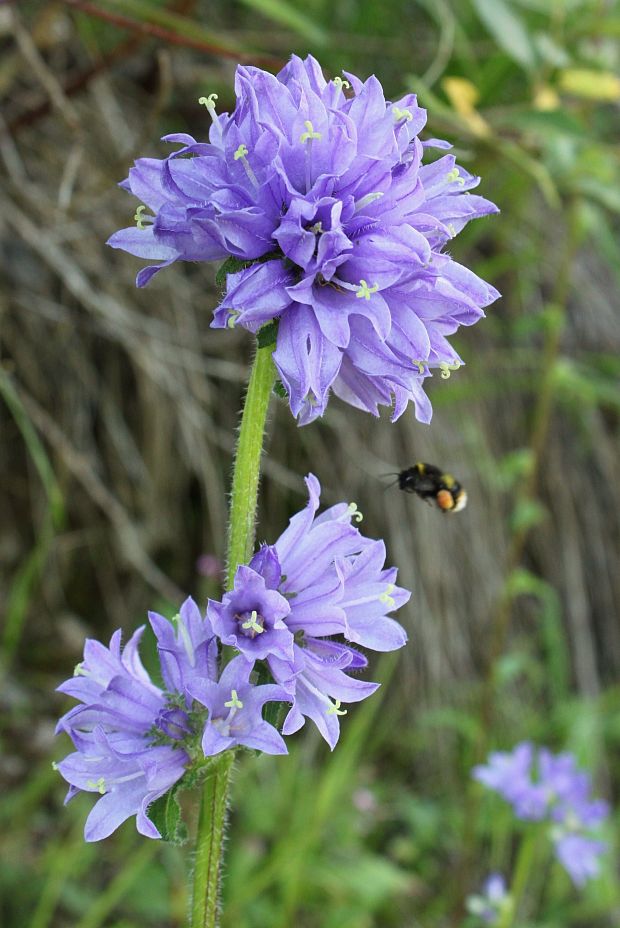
113	732
235	711
251	618
187	647
322	188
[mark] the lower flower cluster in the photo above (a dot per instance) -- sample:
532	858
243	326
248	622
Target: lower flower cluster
135	740
542	786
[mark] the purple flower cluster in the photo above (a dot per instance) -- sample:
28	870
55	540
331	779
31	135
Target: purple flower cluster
134	740
542	786
320	187
321	578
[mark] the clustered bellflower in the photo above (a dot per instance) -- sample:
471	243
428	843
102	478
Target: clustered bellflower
135	740
322	578
321	189
542	786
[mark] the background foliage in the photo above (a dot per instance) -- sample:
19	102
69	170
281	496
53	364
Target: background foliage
118	412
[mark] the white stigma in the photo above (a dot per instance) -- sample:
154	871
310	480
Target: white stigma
446	369
253	624
240	155
334	708
454	175
234	702
364	291
354	512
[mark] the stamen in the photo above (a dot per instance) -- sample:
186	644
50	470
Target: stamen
309	134
78	670
139	218
454	175
446	369
234	702
369	198
253	624
419	364
99	785
385	597
364	291
354	512
338	81
316	228
241	152
232	318
54	765
334	708
402	114
451	229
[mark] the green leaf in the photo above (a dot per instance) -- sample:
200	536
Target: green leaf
508	31
280	390
526	514
266	337
281	11
165	813
230	266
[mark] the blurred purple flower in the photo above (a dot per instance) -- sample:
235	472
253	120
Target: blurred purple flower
325	195
541	786
208	565
321	578
492	902
510	775
579	855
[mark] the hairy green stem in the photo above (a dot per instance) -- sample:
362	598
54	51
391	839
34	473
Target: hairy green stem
247	463
242	519
209	844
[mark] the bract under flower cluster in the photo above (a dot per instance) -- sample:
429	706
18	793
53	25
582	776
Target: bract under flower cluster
542	786
321	188
134	740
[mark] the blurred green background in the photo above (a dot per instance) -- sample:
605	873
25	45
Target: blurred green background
118	411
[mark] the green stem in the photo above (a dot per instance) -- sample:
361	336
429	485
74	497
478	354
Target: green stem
247	463
209	844
528	853
242	519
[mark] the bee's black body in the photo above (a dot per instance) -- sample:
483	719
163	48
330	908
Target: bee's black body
433	485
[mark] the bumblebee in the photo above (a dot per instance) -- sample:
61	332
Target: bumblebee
431	484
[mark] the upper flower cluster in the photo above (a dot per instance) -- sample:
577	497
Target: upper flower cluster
135	740
543	786
321	188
